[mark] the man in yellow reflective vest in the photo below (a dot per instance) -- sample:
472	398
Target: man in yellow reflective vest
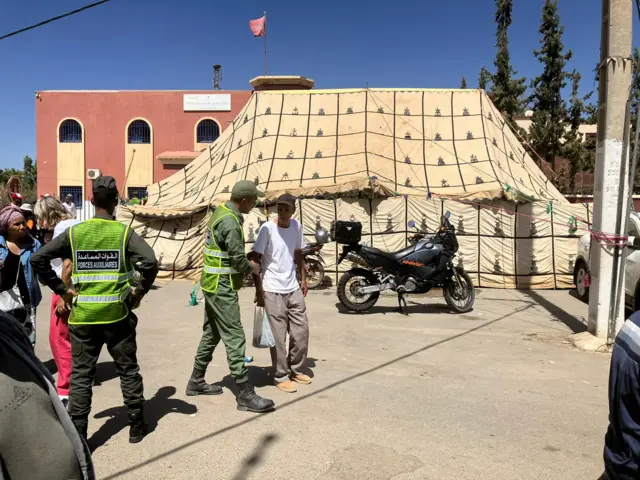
225	264
102	251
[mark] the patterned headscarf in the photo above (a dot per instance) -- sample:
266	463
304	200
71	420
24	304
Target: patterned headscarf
8	215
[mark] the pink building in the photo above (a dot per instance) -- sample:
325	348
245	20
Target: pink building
138	137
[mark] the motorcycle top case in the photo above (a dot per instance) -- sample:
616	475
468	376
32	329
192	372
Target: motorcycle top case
346	232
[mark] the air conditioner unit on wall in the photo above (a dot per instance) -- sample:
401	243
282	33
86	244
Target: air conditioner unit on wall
93	173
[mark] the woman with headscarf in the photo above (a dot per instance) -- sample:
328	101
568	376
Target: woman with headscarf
54	219
16	248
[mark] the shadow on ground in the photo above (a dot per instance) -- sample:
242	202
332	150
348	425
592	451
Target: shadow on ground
258	377
309	396
261	376
412	307
327	284
574	323
155	409
252	461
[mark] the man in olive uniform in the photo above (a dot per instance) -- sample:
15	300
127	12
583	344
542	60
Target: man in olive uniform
102	251
225	264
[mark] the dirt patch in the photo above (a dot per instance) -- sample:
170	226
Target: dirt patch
559	337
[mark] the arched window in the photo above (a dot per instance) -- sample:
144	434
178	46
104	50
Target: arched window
139	132
70	132
208	131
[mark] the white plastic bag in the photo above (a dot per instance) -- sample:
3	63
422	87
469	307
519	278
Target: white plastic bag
262	335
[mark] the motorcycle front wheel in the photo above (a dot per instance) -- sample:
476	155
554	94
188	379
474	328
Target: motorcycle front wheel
315	273
347	286
460	298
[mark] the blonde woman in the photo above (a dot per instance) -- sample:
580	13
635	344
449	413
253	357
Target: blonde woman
55	219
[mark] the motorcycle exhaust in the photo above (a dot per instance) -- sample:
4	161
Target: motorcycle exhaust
372	289
387	284
357	259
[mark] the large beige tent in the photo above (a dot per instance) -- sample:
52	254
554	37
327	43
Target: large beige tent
381	157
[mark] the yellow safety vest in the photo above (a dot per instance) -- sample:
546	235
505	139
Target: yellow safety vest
216	260
101	272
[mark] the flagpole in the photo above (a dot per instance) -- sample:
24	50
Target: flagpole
265	43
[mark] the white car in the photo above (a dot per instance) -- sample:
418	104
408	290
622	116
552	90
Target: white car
581	276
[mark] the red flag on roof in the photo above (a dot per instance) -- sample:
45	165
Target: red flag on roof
258	26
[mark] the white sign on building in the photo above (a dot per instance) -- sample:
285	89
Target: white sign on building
196	102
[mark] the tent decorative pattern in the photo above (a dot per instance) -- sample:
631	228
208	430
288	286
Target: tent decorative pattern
382	156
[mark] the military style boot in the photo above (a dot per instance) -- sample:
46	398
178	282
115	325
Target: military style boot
249	401
198	386
137	428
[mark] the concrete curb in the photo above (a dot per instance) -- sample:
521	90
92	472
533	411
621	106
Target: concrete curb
588	343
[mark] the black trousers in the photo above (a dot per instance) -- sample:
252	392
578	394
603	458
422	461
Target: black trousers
86	344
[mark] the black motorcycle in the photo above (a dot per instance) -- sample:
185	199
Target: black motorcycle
426	263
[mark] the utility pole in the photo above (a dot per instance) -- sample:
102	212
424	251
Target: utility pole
610	192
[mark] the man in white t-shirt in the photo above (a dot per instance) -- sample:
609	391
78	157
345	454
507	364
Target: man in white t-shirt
69	205
278	248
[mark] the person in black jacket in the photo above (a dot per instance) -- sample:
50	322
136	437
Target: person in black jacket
38	441
622	441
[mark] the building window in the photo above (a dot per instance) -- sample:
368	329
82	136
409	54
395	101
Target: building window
139	132
208	131
141	191
70	132
76	195
590	141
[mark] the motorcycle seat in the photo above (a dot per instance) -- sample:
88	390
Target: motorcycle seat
395	256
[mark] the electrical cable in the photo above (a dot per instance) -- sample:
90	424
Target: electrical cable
68	14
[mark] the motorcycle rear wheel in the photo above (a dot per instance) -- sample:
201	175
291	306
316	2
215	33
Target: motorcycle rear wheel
346	286
315	273
460	301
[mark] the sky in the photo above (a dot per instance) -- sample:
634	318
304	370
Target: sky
172	45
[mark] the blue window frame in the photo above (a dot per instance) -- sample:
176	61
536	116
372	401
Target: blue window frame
139	132
70	132
208	131
76	195
141	191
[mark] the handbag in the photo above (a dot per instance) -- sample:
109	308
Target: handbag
11	299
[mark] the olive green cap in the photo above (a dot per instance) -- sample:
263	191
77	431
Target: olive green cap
244	189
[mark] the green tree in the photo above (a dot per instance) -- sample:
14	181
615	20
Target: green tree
463	83
591	109
484	78
29	171
549	108
7	173
506	91
29	179
580	156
